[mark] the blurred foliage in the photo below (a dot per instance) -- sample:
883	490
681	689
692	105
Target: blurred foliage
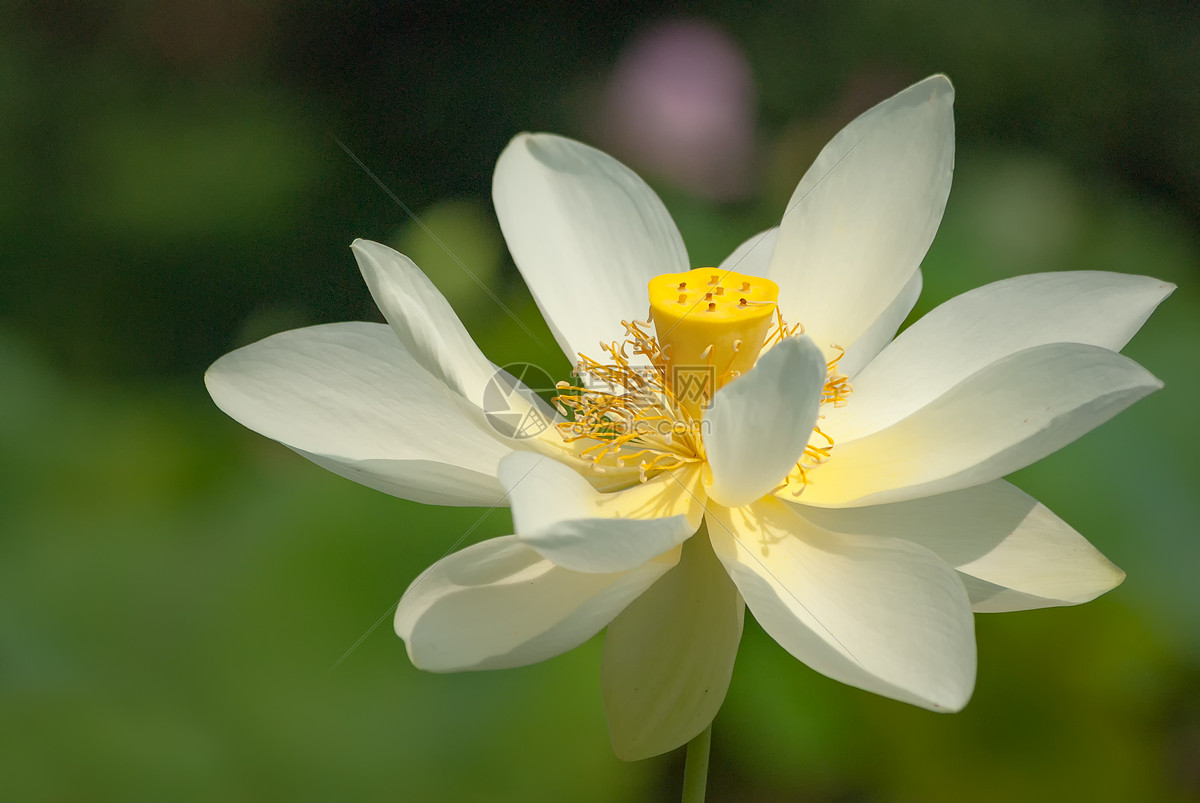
176	594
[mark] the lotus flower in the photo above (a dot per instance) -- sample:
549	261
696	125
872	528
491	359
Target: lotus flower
760	440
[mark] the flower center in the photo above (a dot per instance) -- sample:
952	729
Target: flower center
638	411
710	326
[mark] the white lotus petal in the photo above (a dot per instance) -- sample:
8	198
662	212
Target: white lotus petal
423	320
864	214
881	614
975	329
862	351
587	235
995	533
560	515
669	656
753	257
990	598
350	397
759	424
499	604
436	338
1012	413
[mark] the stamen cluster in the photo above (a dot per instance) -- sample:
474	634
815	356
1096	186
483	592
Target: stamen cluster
626	415
627	407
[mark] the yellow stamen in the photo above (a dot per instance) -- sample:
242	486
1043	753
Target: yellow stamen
644	416
627	415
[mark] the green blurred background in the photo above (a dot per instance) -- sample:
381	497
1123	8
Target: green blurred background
175	591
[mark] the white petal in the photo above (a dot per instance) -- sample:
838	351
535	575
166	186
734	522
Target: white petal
864	214
350	397
973	330
871	342
752	257
759	424
1025	555
423	320
991	598
587	235
1010	414
559	514
499	604
881	614
669	656
436	338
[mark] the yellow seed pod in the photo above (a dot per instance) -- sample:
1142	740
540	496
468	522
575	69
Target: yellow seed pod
711	325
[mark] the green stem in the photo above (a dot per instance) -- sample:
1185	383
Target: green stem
695	769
